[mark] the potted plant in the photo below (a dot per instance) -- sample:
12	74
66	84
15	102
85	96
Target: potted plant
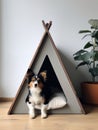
88	56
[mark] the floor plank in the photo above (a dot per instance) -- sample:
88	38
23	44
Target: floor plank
53	122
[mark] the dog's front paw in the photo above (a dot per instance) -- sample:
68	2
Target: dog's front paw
44	115
32	116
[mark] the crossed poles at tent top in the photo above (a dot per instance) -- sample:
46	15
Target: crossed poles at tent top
47	25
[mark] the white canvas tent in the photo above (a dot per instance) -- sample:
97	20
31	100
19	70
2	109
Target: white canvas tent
47	55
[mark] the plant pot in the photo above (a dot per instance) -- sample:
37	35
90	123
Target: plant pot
90	92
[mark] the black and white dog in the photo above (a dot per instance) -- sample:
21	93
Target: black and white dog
38	93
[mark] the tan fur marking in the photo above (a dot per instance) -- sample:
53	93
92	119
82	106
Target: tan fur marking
41	85
33	79
44	75
31	84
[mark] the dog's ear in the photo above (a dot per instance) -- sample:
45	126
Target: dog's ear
29	75
44	75
30	72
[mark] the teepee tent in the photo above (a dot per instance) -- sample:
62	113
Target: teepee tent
47	58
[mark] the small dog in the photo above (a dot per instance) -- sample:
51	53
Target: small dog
38	93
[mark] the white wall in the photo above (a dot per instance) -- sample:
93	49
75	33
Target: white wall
21	30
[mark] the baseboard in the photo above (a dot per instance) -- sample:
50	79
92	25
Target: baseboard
6	99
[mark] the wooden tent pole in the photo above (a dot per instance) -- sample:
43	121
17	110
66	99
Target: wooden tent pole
47	25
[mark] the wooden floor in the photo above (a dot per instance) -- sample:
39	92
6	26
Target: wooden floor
53	122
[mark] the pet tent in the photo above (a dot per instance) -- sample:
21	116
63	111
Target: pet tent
47	58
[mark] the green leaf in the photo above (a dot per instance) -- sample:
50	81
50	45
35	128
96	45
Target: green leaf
84	31
86	56
94	71
80	52
96	40
83	57
86	36
97	65
88	45
95	34
93	23
79	57
92	27
96	55
83	63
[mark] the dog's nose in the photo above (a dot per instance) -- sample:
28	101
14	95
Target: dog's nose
35	85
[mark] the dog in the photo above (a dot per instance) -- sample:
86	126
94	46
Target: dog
38	93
